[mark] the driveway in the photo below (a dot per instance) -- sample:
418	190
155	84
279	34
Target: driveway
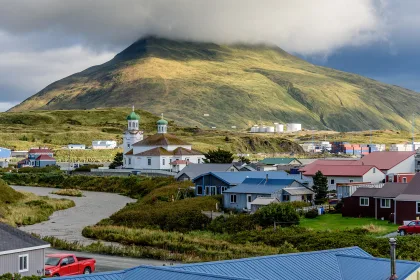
68	224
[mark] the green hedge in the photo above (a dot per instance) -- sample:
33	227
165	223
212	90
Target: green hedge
17	276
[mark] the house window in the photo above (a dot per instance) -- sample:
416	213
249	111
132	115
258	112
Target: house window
187	159
23	263
374	170
404	180
223	189
385	203
418	207
149	161
128	145
286	197
364	201
351	181
200	190
233	198
170	160
129	161
249	198
199	160
332	181
207	191
163	161
125	161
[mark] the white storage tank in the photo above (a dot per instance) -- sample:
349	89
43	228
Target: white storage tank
254	129
262	129
293	127
279	127
270	129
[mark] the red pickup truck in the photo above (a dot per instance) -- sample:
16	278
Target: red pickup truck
410	228
57	265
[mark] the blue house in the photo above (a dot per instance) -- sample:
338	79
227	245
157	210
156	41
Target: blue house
41	157
337	264
241	196
214	183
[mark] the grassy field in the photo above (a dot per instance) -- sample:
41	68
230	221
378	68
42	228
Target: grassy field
337	222
236	85
69	192
21	208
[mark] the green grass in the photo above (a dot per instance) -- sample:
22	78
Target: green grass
68	192
337	222
235	84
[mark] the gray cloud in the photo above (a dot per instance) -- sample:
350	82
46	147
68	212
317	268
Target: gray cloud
44	40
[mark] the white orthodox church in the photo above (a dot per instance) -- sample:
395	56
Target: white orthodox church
160	151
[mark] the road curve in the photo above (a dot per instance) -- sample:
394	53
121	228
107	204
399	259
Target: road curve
68	224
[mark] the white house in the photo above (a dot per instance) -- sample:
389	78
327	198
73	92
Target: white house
76	146
157	151
104	145
345	174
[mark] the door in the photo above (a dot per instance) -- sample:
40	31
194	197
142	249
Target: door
411	227
248	201
73	266
64	267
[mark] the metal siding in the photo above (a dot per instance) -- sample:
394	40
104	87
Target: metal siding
384	212
406	210
10	263
352	208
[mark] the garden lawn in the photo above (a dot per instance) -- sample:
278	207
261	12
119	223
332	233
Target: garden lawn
337	222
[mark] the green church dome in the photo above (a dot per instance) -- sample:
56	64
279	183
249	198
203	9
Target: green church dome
133	117
162	122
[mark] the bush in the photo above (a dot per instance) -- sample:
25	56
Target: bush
311	214
87	168
232	223
299	204
277	212
47	169
17	276
338	207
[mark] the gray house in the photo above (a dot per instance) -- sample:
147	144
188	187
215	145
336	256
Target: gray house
193	170
241	196
21	252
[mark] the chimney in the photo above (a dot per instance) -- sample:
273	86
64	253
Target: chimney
392	244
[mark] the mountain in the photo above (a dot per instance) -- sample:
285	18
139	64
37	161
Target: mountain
237	85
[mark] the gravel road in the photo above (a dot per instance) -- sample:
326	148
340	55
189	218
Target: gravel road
68	224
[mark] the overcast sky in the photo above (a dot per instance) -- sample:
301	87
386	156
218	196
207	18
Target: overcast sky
42	41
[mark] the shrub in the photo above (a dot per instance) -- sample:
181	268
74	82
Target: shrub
232	223
17	276
87	168
47	169
311	214
338	207
299	204
69	192
277	212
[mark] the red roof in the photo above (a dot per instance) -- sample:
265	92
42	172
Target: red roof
40	151
329	162
179	161
340	170
386	160
45	157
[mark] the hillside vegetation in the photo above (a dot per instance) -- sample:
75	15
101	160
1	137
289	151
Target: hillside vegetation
55	129
236	85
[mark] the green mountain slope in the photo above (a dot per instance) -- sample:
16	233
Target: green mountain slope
236	85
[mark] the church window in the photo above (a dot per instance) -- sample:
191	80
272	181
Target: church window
149	161
129	161
163	161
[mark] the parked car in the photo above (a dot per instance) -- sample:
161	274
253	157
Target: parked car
410	228
57	265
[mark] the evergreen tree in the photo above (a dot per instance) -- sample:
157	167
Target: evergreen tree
218	156
118	161
320	187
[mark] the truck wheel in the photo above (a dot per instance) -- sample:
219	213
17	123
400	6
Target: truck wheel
402	232
87	270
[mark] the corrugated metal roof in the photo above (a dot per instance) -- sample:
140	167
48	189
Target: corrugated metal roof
361	268
311	265
235	178
114	275
262	186
273	161
391	190
298	191
194	170
264	200
369	192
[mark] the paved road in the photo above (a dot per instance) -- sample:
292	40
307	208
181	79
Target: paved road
68	224
112	263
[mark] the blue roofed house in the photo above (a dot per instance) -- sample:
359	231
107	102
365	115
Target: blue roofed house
245	195
215	183
337	264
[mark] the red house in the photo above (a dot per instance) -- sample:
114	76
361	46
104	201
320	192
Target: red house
400	177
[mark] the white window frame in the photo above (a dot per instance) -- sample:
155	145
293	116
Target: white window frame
363	198
149	162
231	198
129	161
385	199
332	181
27	263
417	207
163	161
